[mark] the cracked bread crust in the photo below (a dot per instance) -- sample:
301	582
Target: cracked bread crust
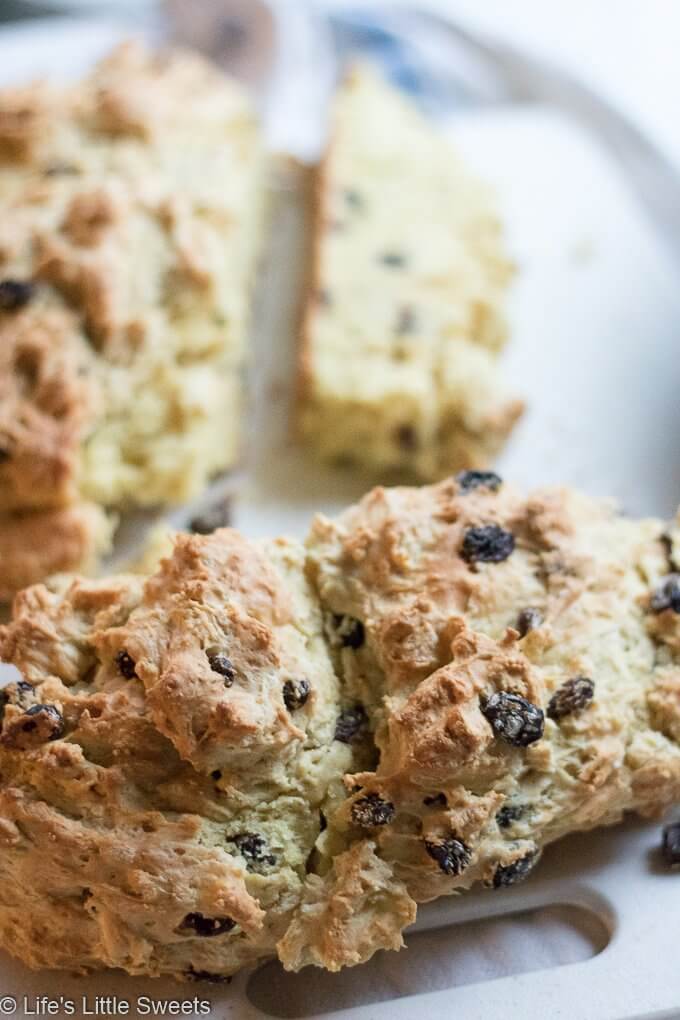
163	822
131	219
404	314
455	800
347	915
487	671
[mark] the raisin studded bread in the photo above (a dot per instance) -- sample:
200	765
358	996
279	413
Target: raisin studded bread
165	761
517	658
270	750
404	314
131	209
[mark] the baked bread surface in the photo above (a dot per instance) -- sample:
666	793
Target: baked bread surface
269	749
165	760
518	664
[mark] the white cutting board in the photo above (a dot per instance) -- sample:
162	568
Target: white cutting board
596	316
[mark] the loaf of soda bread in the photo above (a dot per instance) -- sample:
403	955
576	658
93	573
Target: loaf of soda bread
518	661
276	749
404	313
170	748
131	215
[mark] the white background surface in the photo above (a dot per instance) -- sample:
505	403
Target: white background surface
628	48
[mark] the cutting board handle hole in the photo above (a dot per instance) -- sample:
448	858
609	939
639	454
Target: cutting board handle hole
447	957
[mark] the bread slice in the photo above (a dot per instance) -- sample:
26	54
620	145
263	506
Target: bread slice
404	316
453	676
132	204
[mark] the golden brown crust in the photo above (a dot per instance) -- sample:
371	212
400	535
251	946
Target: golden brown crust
159	804
25	121
357	909
452	801
88	217
313	188
40	543
46	400
215	722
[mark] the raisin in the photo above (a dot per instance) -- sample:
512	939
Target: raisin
4	455
514	719
667	595
469	480
22	690
528	619
350	723
60	170
667	543
451	854
438	800
670	846
511	874
47	715
216	774
4	700
255	850
126	665
222	664
406	321
406	437
487	544
206	975
573	695
216	516
393	259
372	810
206	927
508	814
15	294
19	693
295	693
353	199
350	631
